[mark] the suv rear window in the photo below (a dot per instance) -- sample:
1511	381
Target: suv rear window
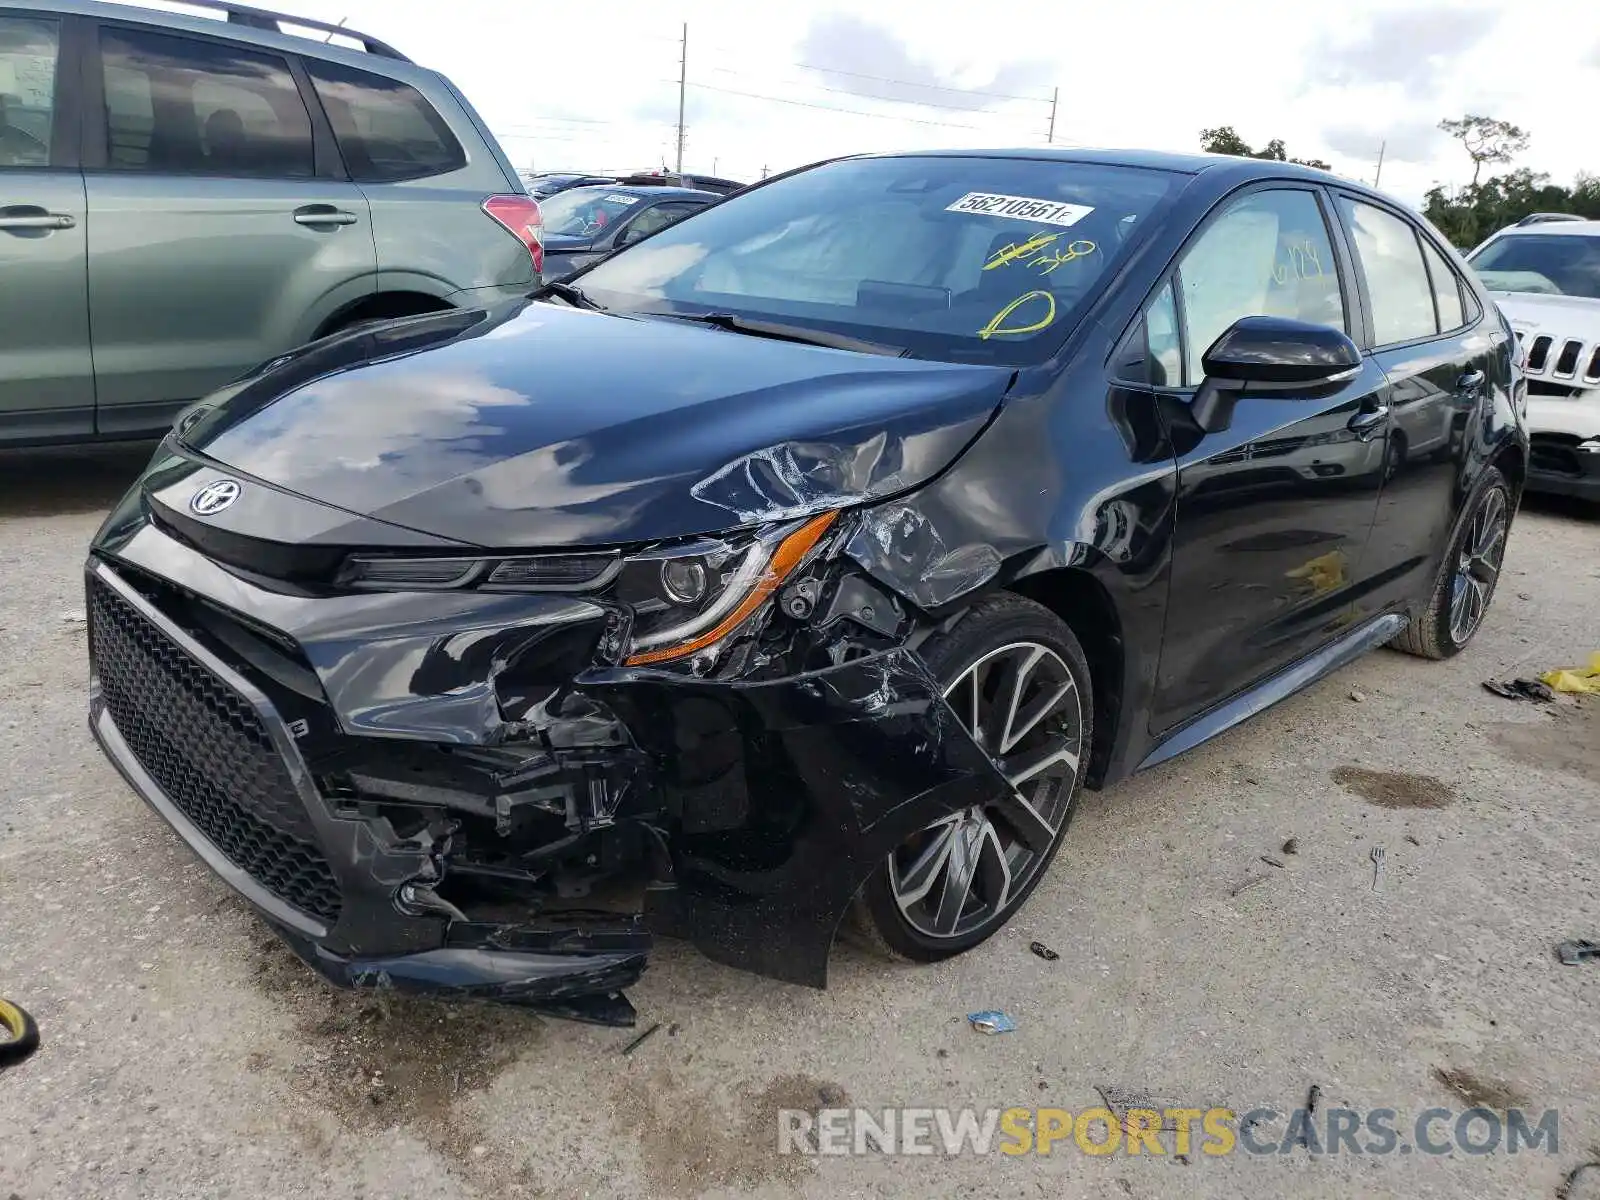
386	130
964	259
189	106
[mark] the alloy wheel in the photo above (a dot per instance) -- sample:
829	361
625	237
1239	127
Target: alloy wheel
1478	565
1022	706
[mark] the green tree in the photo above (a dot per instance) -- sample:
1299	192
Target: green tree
1223	140
1486	140
1472	213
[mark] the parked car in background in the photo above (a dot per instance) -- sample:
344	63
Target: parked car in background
1546	218
799	563
703	183
183	198
583	225
548	183
1546	279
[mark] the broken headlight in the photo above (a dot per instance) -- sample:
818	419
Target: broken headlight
684	598
687	598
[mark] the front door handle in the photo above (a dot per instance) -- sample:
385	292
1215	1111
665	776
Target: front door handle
1368	421
1471	381
40	220
323	214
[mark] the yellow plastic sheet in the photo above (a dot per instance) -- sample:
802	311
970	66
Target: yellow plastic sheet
1576	680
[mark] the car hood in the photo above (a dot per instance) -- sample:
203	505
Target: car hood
541	425
1560	316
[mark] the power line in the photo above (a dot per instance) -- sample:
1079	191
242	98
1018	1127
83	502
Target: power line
527	122
860	95
855	112
937	87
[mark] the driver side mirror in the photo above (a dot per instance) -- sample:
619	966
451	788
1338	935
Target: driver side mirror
1272	357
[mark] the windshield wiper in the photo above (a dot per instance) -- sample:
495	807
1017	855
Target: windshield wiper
788	333
574	296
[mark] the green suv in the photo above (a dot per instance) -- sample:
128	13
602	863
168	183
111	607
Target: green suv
183	197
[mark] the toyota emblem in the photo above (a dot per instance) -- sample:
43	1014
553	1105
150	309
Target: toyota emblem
215	496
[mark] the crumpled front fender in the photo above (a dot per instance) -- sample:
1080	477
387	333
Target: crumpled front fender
789	794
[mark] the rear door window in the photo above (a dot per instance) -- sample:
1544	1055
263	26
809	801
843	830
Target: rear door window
1398	288
28	47
188	106
1446	290
387	130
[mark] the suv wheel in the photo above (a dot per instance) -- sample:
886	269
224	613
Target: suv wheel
1019	683
1467	579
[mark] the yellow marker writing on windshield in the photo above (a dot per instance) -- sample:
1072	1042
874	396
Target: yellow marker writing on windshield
1013	252
1056	257
994	326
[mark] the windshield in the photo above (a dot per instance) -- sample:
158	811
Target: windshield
1549	263
584	212
962	259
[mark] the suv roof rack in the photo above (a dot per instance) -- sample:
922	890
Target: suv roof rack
261	18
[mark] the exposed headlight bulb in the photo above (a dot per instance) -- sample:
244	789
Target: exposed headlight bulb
684	580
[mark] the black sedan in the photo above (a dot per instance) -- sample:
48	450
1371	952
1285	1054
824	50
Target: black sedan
582	225
548	183
800	563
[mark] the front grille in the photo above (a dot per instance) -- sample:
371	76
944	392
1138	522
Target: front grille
1539	353
206	747
1565	358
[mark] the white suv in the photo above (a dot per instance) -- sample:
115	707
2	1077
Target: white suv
1546	278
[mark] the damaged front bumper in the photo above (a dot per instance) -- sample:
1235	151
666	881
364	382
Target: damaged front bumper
347	765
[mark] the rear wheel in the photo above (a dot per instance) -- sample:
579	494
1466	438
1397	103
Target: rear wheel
1467	579
1019	683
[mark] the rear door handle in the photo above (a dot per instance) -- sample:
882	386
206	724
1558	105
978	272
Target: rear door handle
41	220
1471	381
1368	421
323	214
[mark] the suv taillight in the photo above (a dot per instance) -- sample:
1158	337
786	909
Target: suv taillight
520	214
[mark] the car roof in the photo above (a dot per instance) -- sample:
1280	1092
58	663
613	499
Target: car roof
1227	170
648	190
216	25
1554	229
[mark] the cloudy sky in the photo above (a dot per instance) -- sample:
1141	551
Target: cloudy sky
594	86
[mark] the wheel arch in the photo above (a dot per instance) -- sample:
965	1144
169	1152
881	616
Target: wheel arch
1082	601
1512	461
381	306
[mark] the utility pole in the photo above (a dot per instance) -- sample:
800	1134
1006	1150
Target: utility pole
683	82
1054	97
1384	145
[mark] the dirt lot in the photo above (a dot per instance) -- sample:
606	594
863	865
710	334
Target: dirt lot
186	1055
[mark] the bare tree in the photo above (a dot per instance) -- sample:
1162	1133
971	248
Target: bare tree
1486	140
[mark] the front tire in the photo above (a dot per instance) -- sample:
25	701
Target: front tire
1018	681
1467	578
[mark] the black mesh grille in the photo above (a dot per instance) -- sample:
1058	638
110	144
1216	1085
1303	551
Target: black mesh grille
206	747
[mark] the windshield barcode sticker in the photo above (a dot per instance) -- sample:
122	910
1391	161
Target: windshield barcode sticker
1022	208
622	199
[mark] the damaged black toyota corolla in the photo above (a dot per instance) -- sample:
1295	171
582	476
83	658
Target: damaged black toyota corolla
801	561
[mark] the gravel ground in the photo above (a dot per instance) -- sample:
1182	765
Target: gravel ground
186	1055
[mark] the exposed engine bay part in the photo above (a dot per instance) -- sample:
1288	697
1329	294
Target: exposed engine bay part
488	804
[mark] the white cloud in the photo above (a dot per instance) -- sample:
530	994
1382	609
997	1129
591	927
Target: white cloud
597	88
